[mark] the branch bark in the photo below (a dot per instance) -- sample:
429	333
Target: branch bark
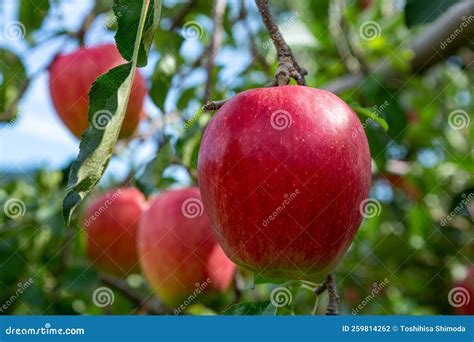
329	284
287	66
437	42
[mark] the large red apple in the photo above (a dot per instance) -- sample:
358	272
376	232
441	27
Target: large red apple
283	172
178	251
70	78
111	226
462	296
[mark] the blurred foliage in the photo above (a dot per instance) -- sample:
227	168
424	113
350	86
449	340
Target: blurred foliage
423	166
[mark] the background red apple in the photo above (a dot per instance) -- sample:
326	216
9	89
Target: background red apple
283	172
111	224
178	250
70	78
462	297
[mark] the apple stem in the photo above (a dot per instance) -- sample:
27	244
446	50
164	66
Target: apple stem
329	284
214	105
287	66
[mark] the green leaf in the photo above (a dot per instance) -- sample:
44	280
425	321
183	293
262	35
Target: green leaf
128	14
366	112
108	99
251	309
13	78
32	13
425	11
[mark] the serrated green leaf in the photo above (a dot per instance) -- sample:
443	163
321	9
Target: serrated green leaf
108	99
251	309
127	13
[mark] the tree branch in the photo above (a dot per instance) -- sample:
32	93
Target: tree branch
287	66
440	40
214	46
177	20
329	284
139	302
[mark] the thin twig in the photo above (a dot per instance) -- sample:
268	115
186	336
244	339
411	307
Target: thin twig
178	19
287	66
138	301
214	46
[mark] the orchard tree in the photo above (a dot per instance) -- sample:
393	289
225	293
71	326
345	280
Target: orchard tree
309	157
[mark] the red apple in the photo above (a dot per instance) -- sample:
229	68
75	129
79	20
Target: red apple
70	78
462	296
111	226
178	251
283	172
